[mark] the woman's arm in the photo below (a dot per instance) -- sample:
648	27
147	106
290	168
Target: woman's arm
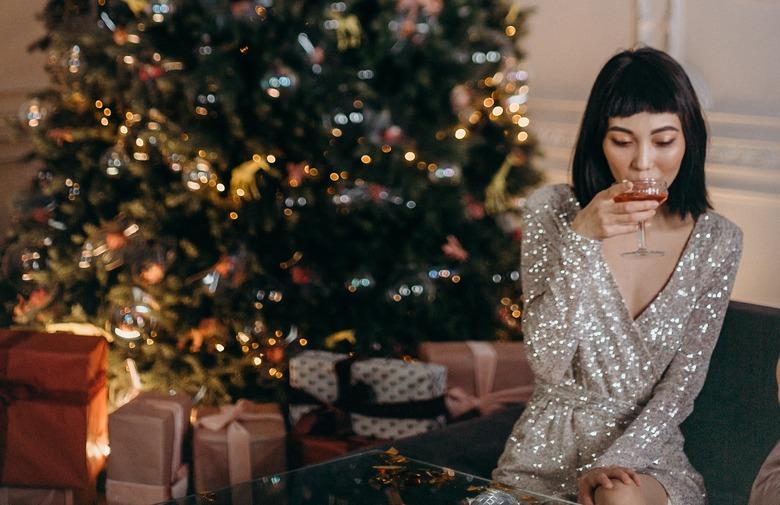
672	401
555	265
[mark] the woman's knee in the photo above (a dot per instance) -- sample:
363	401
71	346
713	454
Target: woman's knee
619	494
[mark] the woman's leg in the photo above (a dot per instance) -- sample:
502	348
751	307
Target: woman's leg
651	492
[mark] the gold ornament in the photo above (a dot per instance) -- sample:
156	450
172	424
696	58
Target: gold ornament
243	180
496	198
340	336
348	31
137	6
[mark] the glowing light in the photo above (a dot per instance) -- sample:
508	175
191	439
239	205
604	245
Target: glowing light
522	136
104	121
272	371
336	132
271	158
273	92
510	31
334	176
386	148
524	121
497	111
366	159
409	156
234	215
460	133
257	361
303	341
220	187
98	104
220	347
488	102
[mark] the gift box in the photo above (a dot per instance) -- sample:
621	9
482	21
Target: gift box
238	443
385	398
482	376
134	493
147	436
35	496
53	417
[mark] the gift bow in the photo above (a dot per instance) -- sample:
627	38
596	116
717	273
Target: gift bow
486	400
238	438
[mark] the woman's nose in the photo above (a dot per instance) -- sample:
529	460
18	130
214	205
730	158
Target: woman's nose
643	158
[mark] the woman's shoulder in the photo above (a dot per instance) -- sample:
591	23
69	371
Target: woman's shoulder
721	232
553	198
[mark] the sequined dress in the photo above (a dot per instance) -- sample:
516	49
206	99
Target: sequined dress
612	390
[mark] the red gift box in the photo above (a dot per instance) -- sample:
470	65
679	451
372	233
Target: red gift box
53	411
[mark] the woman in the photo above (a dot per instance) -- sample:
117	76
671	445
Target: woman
620	345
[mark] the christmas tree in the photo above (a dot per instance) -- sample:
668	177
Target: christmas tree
226	183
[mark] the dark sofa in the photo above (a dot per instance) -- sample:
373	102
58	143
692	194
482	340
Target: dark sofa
734	425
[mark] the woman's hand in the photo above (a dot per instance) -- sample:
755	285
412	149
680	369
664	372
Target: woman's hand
603	218
601	476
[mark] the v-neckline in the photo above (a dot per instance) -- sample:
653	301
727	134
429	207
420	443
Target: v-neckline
667	285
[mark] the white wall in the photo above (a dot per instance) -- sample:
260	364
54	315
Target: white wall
729	47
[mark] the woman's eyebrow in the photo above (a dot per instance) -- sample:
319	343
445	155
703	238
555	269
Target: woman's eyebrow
657	130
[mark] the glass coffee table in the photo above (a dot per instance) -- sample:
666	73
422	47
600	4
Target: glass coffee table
370	478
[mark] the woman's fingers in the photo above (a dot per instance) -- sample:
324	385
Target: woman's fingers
611	192
605	481
585	492
630	207
633	217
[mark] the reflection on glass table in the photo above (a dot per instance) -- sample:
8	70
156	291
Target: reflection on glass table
370	478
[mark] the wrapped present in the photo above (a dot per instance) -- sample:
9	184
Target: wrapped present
35	496
147	436
482	376
238	443
135	493
385	398
53	417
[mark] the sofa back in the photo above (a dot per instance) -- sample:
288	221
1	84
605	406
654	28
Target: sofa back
736	418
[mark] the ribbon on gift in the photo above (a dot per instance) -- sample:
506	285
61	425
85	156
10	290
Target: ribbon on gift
181	421
356	398
238	437
486	401
133	493
14	390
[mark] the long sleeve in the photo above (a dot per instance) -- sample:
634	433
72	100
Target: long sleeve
672	400
555	266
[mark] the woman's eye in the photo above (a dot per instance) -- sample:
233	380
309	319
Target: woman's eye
665	143
621	143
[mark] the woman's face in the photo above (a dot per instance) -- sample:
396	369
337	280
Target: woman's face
646	145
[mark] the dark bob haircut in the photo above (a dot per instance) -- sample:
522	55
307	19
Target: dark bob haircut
634	81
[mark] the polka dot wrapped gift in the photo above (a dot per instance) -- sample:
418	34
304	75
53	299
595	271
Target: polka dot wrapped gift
385	398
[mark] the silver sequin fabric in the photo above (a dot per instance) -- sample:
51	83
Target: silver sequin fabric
612	390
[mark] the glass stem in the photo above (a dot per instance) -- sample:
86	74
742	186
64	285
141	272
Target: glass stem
642	244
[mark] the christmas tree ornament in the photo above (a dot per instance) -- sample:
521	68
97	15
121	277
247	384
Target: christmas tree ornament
205	49
446	173
462	101
148	72
149	262
114	162
474	210
199	175
210	331
250	10
279	81
26	267
135	317
146	145
339	338
28	307
75	101
454	250
244	179
137	6
229	272
33	112
349	32
175	160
